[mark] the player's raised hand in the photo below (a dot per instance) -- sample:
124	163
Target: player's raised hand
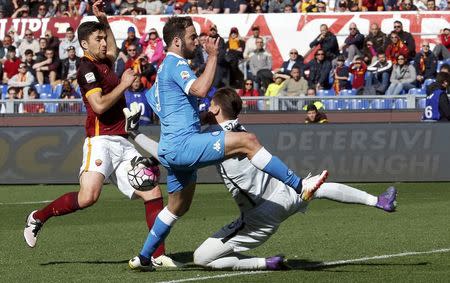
128	77
97	9
212	46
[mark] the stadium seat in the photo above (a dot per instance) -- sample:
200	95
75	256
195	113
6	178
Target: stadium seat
56	93
78	92
427	83
325	92
381	104
399	104
3	91
416	91
421	103
348	92
45	88
329	104
439	65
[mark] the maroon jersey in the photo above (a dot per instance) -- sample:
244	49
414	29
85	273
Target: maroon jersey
98	76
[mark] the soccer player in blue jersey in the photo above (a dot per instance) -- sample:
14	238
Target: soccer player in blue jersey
437	105
182	148
136	93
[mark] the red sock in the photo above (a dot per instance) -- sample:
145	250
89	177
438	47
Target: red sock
152	209
65	204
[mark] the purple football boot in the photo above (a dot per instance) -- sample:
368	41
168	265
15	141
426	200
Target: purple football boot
276	263
387	201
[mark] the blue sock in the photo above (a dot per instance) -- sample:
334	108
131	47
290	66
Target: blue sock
278	169
156	236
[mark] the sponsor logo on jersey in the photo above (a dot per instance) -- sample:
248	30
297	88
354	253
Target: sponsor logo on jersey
185	75
98	162
216	133
90	77
181	63
217	146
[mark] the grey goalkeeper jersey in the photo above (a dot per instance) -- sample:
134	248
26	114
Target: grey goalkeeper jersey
248	185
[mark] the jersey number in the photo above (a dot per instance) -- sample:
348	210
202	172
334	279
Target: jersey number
428	112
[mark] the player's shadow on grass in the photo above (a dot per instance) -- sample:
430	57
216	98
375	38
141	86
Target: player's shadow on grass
307	265
85	262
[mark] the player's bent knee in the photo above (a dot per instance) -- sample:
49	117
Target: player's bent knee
86	200
210	250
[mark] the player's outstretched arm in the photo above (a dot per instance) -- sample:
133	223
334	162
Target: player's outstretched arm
202	84
112	50
132	116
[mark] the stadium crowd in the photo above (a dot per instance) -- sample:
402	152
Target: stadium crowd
373	64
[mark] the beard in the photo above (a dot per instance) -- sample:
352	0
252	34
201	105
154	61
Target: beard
187	54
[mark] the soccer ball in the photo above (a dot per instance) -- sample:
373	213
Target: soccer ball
143	178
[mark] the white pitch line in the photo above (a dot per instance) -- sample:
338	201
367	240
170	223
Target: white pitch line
330	263
25	202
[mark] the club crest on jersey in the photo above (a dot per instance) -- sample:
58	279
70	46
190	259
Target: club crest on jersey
98	162
185	75
181	62
90	77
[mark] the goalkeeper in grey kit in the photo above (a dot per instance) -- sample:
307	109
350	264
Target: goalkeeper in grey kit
264	202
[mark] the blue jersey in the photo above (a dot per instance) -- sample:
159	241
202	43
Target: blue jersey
432	106
170	100
139	97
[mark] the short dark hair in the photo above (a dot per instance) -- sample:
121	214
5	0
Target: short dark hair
445	66
398	22
443	77
70	29
11	48
28	52
87	28
176	27
311	107
229	101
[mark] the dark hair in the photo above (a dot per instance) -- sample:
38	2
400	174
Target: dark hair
398	22
176	27
28	52
87	28
70	29
32	89
443	77
445	66
229	101
311	107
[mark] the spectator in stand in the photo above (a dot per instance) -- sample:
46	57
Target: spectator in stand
274	88
42	11
353	43
327	42
258	9
372	5
209	6
4	45
406	38
136	93
68	92
248	90
407	5
442	48
198	63
152	7
69	66
313	115
342	6
147	72
396	48
308	6
294	86
28	43
378	75
437	103
22	80
43	44
77	8
311	92
250	43
369	53
445	68
29	61
260	64
132	58
48	71
425	64
341	75
319	70
153	47
403	77
234	53
234	6
11	65
193	10
295	60
431	6
22	12
378	38
222	66
33	106
288	9
358	68
52	42
178	9
69	40
277	6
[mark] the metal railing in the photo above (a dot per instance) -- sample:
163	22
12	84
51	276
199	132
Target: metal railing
250	104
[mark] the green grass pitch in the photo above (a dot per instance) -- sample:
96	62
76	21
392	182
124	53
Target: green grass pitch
95	244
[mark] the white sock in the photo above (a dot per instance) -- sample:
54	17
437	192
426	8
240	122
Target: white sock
167	217
343	193
234	263
261	158
147	144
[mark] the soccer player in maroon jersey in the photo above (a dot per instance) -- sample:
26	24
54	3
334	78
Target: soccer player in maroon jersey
106	151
